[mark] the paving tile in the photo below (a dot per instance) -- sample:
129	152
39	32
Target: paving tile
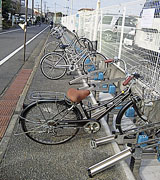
9	96
2	131
4	120
15	91
8	103
6	111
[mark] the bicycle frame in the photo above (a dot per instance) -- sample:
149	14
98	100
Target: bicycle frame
72	59
117	100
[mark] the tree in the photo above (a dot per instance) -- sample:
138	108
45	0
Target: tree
6	8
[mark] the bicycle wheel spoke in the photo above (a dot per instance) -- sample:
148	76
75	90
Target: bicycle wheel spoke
45	122
53	66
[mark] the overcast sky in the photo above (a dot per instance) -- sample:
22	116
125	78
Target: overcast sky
60	5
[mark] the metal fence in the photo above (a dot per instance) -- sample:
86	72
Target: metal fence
129	31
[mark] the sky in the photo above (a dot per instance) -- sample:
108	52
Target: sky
60	5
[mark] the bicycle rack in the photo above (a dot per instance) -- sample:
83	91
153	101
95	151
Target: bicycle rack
101	166
140	149
97	85
85	76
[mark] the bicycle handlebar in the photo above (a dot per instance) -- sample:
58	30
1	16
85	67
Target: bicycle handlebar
128	80
109	60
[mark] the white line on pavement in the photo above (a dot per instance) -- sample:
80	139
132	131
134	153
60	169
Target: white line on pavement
14	30
10	31
14	52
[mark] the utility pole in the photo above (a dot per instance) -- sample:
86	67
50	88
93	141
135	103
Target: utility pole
45	9
25	28
41	10
71	10
55	14
32	8
67	7
0	14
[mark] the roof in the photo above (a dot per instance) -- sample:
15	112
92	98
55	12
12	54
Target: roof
86	9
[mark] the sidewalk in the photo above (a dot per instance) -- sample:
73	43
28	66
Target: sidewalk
22	158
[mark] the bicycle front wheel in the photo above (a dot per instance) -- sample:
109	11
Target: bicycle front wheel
53	66
94	61
83	43
44	122
129	118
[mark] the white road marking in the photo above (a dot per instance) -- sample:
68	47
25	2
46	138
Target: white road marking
14	30
21	47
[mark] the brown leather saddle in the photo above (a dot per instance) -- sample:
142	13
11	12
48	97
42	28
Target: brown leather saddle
77	95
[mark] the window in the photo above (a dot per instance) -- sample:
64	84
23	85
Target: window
131	22
107	19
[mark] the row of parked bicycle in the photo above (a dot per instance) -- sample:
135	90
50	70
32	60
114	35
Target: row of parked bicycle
55	118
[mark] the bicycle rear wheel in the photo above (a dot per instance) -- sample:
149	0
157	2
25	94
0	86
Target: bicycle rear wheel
94	61
53	66
44	122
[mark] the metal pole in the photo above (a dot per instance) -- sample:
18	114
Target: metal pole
122	30
71	7
55	14
25	28
96	21
41	10
100	39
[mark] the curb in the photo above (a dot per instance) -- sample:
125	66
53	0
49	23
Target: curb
6	138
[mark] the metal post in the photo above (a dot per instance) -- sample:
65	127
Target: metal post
71	7
41	10
122	31
96	21
100	39
25	28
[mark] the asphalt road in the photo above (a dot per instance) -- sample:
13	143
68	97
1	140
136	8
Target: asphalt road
11	50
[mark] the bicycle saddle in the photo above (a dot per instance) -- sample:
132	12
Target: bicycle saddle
77	95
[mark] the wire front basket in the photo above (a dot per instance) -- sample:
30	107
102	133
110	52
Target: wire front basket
47	95
149	83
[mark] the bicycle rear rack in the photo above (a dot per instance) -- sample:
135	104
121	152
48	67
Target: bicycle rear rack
47	95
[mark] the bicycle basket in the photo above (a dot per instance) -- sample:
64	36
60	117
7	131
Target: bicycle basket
47	95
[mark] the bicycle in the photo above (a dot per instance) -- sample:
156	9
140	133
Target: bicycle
54	65
76	44
55	119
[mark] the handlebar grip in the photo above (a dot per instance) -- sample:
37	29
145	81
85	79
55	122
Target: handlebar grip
108	60
127	80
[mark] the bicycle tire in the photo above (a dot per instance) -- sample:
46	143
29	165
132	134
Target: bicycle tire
94	61
39	121
124	123
49	66
82	43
